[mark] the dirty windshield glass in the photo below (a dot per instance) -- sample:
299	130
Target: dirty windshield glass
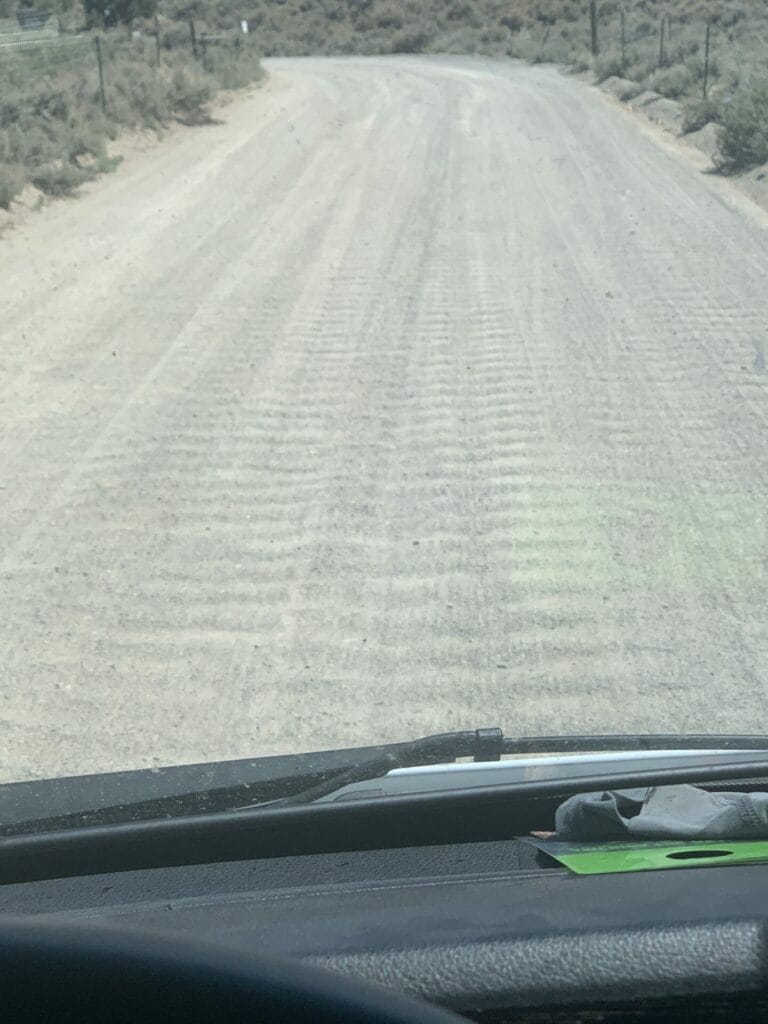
378	368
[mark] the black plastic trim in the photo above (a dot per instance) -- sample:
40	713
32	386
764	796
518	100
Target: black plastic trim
472	815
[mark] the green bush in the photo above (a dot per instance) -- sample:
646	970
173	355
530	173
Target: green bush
526	46
61	178
83	139
638	69
106	164
673	82
743	135
389	18
190	91
731	17
410	42
608	65
233	66
114	12
513	22
137	95
699	112
630	90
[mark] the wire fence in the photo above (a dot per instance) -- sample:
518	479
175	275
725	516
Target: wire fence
659	41
33	54
695	52
27	60
629	40
65	93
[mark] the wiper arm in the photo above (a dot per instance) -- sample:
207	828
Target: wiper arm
202	789
489	745
481	745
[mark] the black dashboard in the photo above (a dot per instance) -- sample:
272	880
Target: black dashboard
493	930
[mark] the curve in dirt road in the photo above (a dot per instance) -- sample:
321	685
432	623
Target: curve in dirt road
419	394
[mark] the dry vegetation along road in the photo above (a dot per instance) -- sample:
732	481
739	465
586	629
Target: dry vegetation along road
419	394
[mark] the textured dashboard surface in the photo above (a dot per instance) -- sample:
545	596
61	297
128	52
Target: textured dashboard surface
475	927
255	876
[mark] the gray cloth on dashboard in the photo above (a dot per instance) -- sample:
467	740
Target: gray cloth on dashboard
663	812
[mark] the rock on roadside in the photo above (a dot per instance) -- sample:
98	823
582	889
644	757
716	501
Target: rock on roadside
666	113
662	111
705	139
620	88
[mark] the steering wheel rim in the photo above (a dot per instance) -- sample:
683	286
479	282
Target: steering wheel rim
57	971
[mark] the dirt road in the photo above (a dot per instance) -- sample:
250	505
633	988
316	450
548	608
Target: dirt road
418	394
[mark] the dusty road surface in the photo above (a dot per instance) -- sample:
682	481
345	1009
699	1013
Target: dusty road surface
418	394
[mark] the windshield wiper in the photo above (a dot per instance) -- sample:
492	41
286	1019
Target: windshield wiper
490	745
480	745
483	814
202	789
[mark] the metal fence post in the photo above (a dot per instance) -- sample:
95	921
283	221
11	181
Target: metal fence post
157	40
593	41
661	42
193	37
706	61
100	62
623	39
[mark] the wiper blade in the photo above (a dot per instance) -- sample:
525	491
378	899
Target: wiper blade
484	814
48	805
490	745
480	745
605	743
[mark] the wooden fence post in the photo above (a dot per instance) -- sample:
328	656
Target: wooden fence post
99	61
623	39
594	46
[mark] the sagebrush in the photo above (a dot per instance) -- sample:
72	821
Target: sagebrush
53	130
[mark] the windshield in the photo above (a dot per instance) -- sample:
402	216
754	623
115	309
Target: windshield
378	368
